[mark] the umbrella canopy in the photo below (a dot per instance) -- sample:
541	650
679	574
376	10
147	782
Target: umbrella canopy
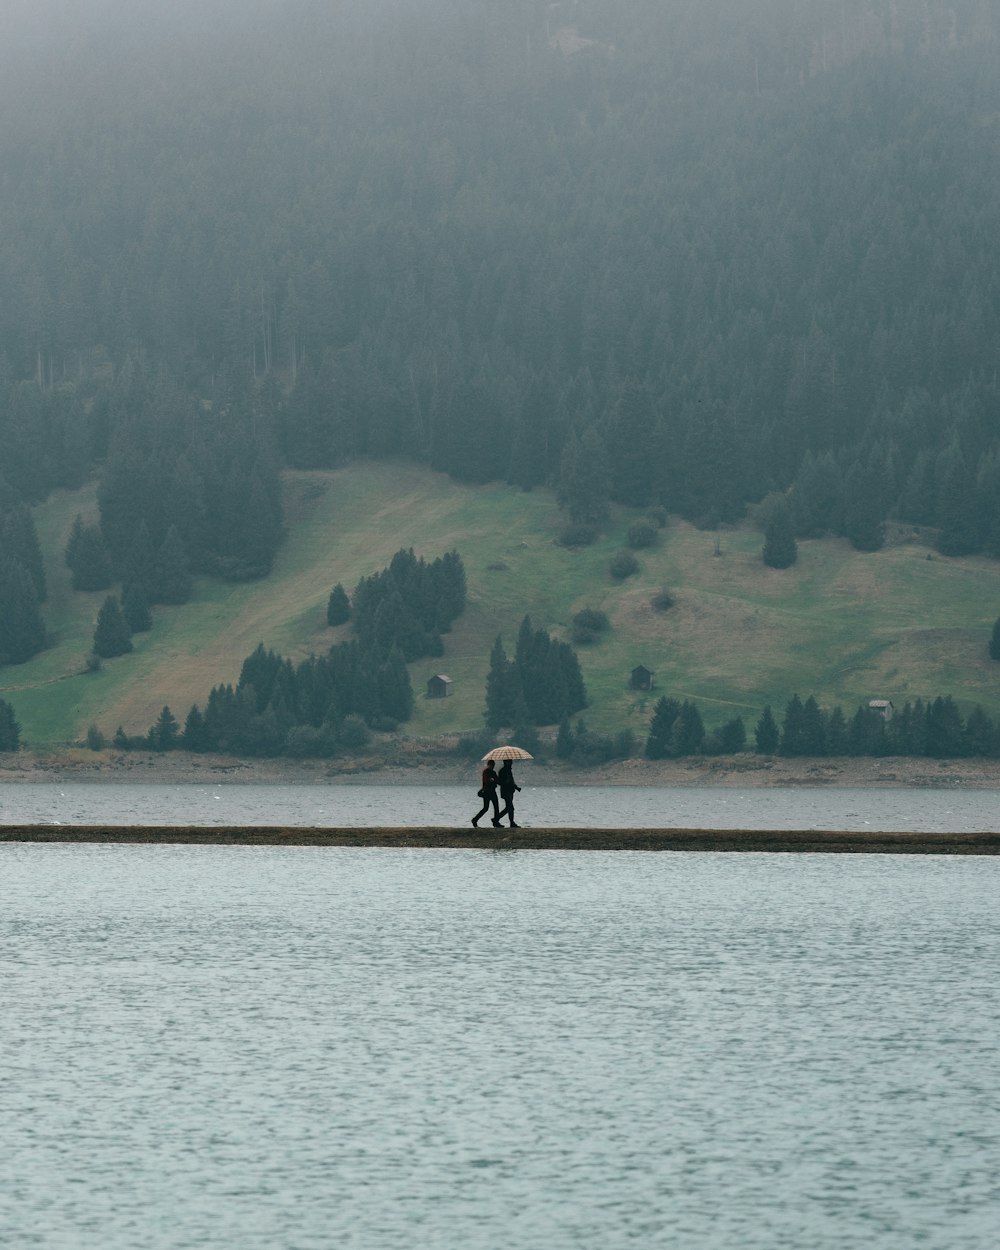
507	753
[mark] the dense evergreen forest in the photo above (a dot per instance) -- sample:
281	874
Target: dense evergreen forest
659	252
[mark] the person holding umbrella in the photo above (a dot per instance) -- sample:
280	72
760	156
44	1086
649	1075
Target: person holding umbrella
488	794
508	788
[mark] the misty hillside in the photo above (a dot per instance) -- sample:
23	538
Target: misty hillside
658	253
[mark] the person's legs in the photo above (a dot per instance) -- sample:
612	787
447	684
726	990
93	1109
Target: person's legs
482	811
496	810
508	809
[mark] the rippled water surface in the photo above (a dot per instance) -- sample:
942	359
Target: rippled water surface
267	1048
801	807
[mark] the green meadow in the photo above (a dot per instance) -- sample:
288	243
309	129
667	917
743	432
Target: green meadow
900	623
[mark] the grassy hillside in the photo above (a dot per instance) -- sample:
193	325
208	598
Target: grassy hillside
843	625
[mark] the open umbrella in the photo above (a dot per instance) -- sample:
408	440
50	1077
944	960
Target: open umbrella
508	753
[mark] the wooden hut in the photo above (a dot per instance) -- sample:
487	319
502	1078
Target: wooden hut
642	678
884	707
439	686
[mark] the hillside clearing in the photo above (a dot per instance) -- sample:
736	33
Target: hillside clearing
843	625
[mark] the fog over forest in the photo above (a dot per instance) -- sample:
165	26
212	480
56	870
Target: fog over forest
691	255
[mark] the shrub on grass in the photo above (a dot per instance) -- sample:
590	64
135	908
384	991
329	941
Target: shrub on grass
641	535
578	535
588	625
663	600
623	564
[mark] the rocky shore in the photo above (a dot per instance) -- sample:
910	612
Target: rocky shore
428	768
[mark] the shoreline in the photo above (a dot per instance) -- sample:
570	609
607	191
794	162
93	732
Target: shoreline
797	841
426	768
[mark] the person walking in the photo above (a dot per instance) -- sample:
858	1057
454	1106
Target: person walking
488	793
508	788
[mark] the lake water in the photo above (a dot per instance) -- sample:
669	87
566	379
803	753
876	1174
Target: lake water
264	1048
805	807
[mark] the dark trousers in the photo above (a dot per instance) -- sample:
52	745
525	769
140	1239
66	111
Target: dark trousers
489	796
509	808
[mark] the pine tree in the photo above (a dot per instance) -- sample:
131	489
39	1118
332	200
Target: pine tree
10	730
730	738
818	497
957	511
139	568
22	630
19	541
112	635
661	727
73	542
584	480
503	688
87	557
780	549
980	734
766	733
165	734
338	606
172	573
945	738
836	732
194	737
630	444
394	688
863	509
995	640
689	730
866	734
575	692
792	729
135	607
813	728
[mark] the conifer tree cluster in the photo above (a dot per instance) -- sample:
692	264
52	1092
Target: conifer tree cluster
935	729
410	604
23	587
325	705
184	489
87	557
677	729
541	685
815	312
319	707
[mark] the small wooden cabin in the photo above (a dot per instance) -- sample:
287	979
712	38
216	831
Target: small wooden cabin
439	686
642	678
884	707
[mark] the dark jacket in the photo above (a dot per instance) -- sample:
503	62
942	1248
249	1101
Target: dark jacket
505	780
